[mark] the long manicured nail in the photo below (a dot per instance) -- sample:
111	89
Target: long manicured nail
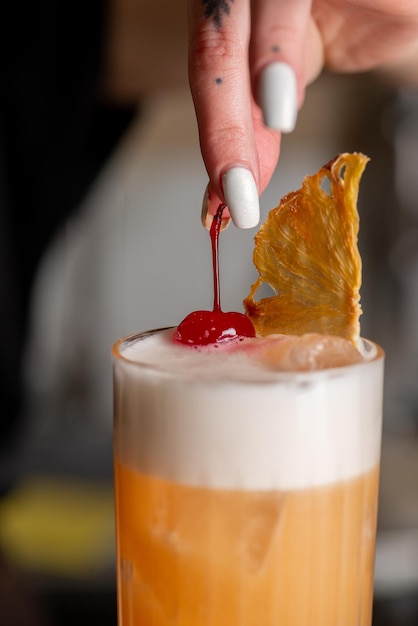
241	197
278	96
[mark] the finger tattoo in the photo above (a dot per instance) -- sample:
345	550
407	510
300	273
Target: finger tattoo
216	9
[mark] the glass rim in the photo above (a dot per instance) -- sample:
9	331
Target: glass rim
375	354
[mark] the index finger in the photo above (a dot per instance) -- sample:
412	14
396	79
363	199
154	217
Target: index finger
221	89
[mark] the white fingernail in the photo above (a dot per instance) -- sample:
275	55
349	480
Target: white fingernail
278	96
206	218
241	197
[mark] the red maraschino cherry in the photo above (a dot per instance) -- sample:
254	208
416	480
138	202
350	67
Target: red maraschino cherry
202	328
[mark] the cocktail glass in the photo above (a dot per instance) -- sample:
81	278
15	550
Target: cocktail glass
243	502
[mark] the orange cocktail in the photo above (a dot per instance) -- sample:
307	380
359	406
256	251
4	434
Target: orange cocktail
244	496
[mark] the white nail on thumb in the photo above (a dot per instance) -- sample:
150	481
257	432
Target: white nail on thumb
207	218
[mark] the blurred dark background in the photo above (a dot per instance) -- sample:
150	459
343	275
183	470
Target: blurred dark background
100	190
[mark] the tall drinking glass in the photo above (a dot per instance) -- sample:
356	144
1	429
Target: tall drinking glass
244	498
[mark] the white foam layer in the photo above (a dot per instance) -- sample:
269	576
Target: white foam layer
195	418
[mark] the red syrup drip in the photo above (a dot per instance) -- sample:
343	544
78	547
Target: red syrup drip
202	328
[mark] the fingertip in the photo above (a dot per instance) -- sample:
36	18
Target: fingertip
210	205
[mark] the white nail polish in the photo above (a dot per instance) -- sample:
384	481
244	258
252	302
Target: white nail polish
278	96
241	197
206	218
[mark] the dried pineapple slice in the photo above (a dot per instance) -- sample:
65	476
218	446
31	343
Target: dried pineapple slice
306	251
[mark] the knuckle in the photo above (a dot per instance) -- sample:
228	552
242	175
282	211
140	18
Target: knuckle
210	49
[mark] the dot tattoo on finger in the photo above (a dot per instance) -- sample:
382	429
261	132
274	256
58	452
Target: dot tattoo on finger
218	80
216	9
275	48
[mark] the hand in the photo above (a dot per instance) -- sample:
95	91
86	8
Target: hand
249	65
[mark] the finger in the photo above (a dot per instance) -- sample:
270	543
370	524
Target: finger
278	58
268	148
220	83
314	53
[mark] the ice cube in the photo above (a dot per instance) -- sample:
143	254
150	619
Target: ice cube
311	351
261	526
